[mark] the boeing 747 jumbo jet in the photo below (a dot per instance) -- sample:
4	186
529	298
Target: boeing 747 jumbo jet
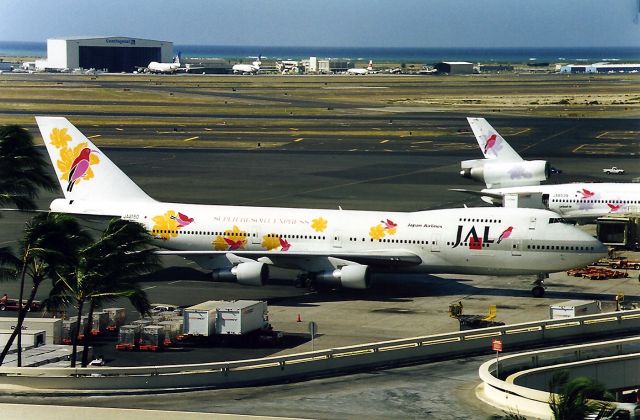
331	247
506	173
155	67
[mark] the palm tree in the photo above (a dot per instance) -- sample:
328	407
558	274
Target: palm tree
48	241
107	269
23	170
573	399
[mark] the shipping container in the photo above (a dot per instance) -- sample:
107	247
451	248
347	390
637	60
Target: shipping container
128	337
51	326
572	308
152	338
117	318
30	338
201	319
172	329
218	317
99	322
241	317
68	327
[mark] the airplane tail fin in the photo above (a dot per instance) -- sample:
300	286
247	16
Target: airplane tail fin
83	171
370	66
178	57
492	144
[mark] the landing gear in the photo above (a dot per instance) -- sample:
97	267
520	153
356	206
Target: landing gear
538	286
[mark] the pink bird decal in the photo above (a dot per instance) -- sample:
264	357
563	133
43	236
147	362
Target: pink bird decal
79	167
505	234
491	141
388	224
182	219
614	207
587	194
234	245
284	244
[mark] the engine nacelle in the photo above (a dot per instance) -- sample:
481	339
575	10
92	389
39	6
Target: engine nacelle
248	273
506	174
349	277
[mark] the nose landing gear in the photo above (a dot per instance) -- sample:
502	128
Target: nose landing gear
538	289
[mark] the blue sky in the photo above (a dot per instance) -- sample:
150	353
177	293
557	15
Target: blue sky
360	23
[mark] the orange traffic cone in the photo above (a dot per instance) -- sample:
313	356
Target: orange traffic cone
298	319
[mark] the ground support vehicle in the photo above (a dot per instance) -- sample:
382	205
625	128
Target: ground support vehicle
613	170
8	304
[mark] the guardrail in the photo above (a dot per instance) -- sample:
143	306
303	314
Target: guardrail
300	366
515	394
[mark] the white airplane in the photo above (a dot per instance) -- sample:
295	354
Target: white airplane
155	67
330	247
356	71
247	68
505	173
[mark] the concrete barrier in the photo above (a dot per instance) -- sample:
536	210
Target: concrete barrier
311	364
526	375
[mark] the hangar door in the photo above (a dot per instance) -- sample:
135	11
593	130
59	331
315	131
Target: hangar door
117	59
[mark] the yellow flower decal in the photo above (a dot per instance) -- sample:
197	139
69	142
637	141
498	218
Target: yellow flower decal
319	224
165	226
68	155
376	232
232	240
59	138
270	242
391	231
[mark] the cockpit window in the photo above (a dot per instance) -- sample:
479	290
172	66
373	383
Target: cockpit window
561	220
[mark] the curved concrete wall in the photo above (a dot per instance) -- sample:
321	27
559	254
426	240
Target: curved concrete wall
614	363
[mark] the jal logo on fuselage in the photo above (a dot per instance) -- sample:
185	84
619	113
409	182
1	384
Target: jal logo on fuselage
476	241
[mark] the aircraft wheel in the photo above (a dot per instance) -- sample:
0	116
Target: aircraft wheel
538	292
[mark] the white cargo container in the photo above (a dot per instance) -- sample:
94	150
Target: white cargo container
235	317
572	308
200	319
30	338
241	317
51	326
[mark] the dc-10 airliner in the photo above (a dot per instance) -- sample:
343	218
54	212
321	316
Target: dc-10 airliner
506	173
330	247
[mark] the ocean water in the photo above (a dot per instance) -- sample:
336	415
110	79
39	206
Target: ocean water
409	55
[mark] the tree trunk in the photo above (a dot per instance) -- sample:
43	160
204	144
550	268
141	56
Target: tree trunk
74	338
87	334
21	310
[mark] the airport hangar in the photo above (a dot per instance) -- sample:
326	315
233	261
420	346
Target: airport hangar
114	54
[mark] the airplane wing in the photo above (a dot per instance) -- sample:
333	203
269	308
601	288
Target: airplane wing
492	144
307	261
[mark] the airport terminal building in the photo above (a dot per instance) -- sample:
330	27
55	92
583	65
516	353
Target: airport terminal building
115	54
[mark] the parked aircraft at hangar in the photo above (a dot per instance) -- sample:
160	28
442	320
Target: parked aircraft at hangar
330	247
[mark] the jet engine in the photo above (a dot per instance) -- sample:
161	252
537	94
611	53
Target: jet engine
247	273
349	277
506	174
